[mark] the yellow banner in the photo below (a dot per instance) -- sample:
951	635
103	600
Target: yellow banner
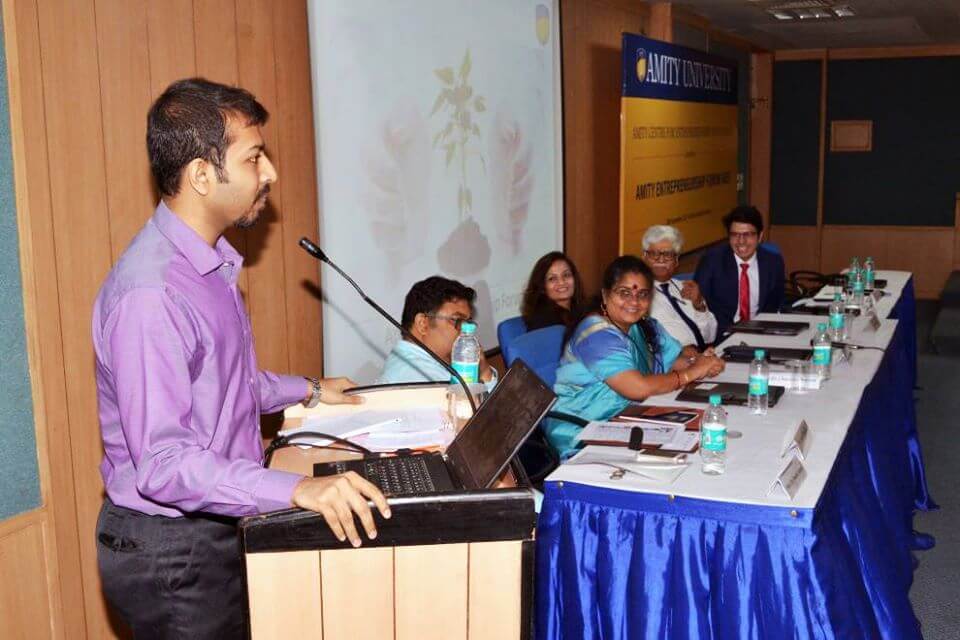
678	166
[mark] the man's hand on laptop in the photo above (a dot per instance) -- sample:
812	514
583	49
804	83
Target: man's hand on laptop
337	499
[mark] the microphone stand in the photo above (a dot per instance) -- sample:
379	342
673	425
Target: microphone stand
318	253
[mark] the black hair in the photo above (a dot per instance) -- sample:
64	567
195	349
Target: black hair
427	296
535	295
746	214
189	121
614	272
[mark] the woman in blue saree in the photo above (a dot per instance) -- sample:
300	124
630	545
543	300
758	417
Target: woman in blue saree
617	354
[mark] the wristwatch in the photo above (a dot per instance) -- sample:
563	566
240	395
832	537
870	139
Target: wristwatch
315	392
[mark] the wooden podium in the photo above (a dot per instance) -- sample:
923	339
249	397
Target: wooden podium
452	566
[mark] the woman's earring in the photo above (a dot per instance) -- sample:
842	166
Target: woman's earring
603	309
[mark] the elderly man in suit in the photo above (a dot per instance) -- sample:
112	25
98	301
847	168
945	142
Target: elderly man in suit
741	278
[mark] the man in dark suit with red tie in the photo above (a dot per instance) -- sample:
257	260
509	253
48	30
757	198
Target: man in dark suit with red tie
742	278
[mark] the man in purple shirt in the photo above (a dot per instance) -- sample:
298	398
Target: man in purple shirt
179	390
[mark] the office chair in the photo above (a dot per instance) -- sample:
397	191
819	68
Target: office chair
507	331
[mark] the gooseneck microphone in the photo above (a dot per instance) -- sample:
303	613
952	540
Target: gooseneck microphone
318	253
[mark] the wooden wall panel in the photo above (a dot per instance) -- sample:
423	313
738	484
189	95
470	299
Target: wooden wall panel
925	251
215	35
25	604
81	236
591	33
266	298
171	38
800	246
297	185
42	306
83	73
122	55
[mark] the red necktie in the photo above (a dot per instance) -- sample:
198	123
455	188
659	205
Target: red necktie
744	293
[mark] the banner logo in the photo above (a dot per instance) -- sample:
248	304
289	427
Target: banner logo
642	65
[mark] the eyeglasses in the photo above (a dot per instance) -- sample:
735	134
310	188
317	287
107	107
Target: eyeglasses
632	294
661	256
743	235
456	321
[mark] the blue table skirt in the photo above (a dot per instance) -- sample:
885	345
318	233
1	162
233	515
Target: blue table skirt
613	564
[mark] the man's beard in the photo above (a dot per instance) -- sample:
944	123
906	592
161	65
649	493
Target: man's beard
253	215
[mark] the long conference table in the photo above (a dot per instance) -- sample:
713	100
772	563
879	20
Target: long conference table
721	556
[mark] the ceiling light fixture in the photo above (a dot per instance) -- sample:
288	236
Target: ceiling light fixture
844	12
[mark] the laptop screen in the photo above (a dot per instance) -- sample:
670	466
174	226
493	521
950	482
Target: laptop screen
485	445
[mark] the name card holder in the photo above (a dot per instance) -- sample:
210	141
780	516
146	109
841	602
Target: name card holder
789	479
873	321
797	441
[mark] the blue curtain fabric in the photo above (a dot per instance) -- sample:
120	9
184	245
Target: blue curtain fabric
613	564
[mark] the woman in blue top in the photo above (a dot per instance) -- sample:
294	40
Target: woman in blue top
616	354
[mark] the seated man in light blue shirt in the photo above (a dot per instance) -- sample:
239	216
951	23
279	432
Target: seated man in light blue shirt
433	312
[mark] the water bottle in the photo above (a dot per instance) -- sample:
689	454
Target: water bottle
853	269
466	354
757	396
822	351
838	325
868	273
856	289
713	438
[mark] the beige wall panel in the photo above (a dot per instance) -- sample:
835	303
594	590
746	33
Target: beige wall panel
799	246
591	33
495	593
358	594
266	299
123	57
25	612
431	586
172	53
277	611
81	236
294	122
925	251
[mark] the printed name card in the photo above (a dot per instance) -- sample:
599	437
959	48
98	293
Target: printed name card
789	479
797	441
873	320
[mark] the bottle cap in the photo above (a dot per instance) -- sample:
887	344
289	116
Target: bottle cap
821	326
760	354
715	399
468	328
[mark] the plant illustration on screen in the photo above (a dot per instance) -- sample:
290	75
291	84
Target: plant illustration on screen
467	250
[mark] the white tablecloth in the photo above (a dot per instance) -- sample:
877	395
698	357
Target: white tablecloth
753	461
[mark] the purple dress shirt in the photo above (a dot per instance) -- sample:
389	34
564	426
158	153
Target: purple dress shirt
179	391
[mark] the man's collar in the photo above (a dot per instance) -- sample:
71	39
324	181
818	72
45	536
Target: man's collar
752	261
201	256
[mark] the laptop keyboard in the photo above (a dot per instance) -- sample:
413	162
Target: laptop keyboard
402	475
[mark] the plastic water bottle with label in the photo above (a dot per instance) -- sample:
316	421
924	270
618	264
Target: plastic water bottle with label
758	398
868	273
856	289
822	352
713	438
466	354
853	269
838	318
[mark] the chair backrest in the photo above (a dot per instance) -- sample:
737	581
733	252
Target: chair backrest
507	331
687	275
773	247
540	349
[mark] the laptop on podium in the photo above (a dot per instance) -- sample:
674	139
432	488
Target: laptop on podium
478	454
